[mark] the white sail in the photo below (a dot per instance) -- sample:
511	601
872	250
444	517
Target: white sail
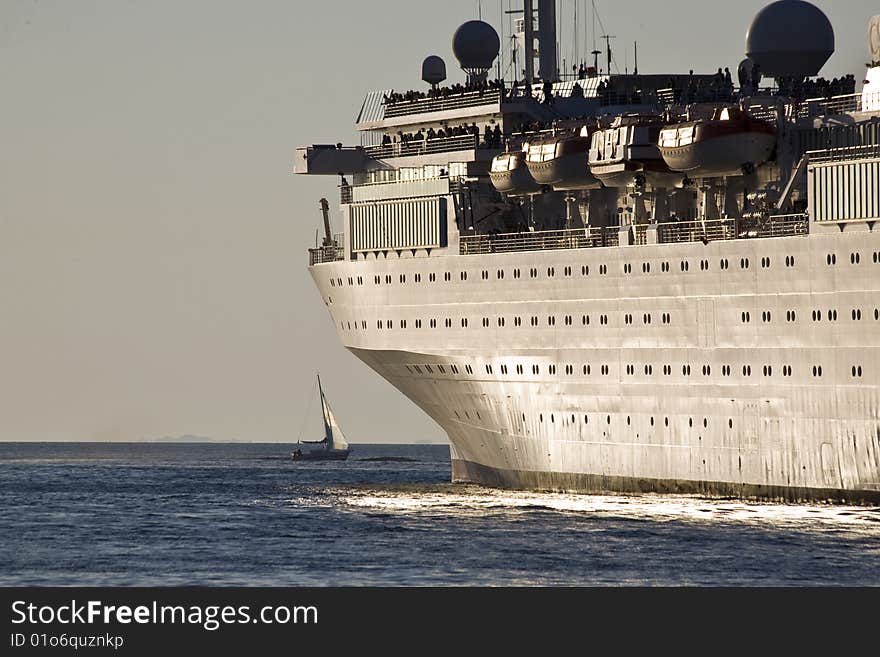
332	433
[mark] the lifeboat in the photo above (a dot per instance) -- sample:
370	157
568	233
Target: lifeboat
627	154
560	161
511	176
731	143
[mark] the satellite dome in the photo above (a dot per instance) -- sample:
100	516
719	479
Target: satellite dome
874	40
476	45
790	38
433	69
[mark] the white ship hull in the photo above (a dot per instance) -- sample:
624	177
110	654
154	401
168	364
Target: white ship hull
652	380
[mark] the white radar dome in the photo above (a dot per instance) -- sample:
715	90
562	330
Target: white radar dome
874	40
790	38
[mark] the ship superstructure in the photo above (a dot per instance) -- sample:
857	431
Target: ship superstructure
601	282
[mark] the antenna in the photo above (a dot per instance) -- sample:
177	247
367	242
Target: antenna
594	29
608	38
636	69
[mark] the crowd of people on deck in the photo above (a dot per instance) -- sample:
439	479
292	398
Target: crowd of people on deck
818	88
701	89
438	93
491	137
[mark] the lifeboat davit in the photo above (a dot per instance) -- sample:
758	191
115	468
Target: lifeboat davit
731	143
627	154
560	161
510	175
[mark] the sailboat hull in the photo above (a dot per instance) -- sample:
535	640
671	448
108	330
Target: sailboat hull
321	455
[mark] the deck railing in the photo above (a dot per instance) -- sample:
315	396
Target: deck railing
845	153
783	225
667	233
713	230
548	240
326	254
451	102
425	147
837	104
788	225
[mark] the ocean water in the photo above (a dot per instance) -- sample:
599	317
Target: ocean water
246	514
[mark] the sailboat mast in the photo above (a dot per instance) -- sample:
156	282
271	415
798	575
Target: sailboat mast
328	429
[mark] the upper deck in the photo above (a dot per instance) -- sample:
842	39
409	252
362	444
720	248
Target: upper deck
843	183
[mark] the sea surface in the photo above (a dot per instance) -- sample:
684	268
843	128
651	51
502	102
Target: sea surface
246	514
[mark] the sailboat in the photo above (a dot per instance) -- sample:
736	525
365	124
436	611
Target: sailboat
334	447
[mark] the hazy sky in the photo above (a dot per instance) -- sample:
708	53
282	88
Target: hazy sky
153	242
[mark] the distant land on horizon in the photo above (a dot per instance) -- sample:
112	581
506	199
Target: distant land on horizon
189	438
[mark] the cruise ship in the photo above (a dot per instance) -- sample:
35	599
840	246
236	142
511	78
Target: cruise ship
639	283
